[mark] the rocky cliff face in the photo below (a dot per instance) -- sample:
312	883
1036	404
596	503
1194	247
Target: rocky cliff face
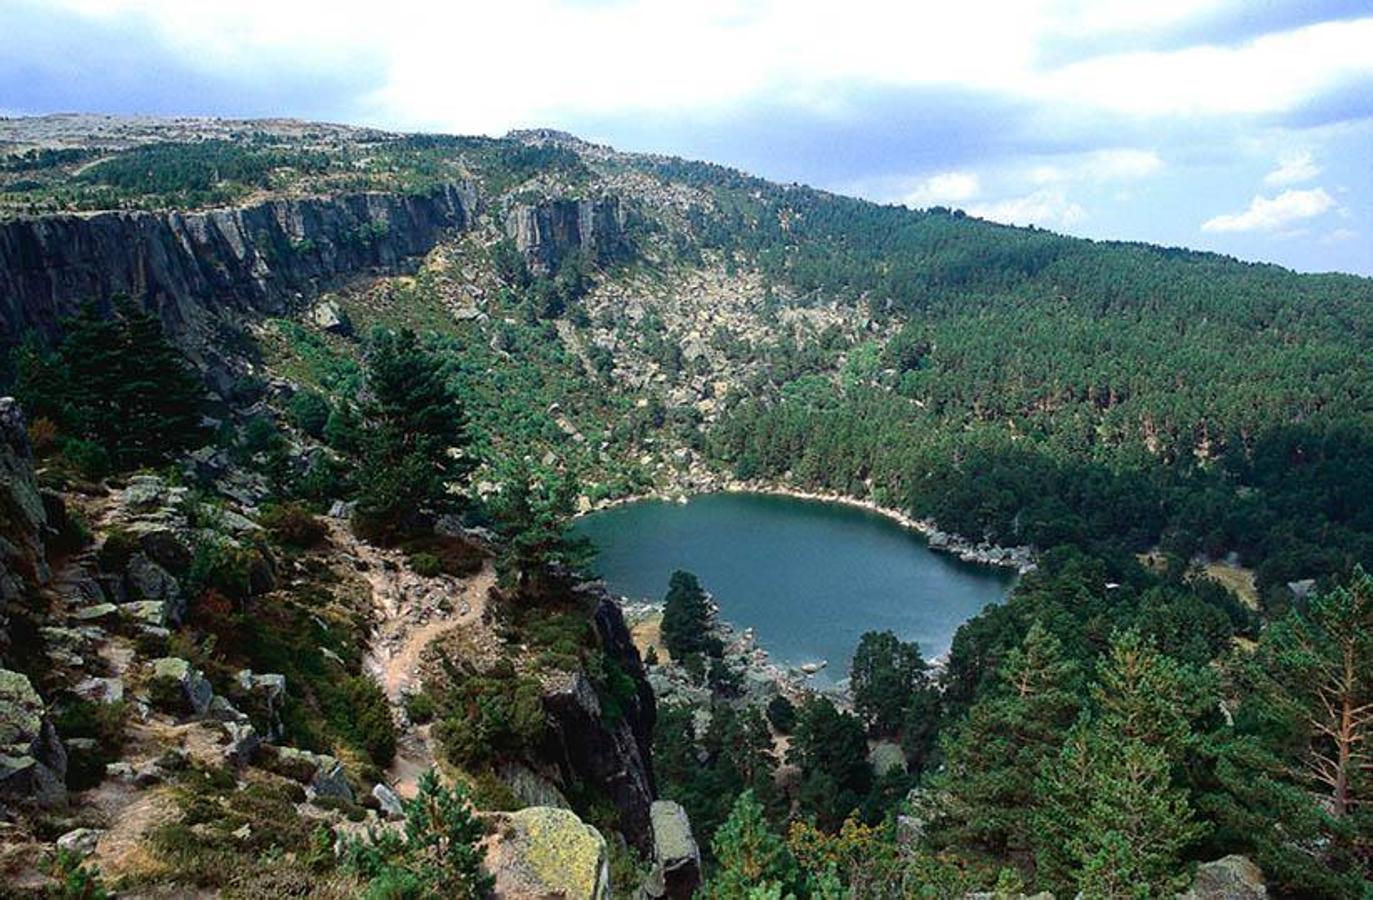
610	753
33	762
550	231
190	267
23	516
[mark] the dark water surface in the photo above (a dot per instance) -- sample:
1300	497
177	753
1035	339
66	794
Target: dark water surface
810	577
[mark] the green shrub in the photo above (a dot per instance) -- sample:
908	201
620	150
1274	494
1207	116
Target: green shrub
372	728
88	458
293	525
221	566
426	564
782	714
419	708
75	881
437	855
310	413
486	717
85	720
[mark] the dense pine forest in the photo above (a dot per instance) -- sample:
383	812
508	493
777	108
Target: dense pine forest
1184	440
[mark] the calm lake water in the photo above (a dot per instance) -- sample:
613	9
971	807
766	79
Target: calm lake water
810	577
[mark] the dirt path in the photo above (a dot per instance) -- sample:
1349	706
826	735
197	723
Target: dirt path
412	612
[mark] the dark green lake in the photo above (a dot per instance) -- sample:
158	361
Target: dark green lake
808	576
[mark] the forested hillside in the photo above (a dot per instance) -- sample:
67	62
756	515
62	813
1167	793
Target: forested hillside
316	404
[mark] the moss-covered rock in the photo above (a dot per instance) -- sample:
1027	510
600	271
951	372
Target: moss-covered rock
547	852
174	685
33	762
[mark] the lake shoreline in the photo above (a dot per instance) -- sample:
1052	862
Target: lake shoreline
1021	559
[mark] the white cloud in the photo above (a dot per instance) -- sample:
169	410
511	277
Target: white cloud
1048	208
1110	164
472	66
944	189
1272	73
1292	169
1339	235
1266	214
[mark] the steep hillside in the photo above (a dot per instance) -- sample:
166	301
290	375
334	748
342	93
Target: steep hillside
347	562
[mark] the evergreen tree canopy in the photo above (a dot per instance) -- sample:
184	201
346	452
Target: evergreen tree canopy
415	437
1297	775
686	618
114	382
886	677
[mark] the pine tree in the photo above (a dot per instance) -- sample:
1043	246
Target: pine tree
885	677
983	797
114	383
414	438
686	619
1110	817
831	749
753	860
1297	775
532	511
158	397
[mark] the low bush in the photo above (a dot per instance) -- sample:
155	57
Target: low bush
437	854
293	525
80	721
488	716
119	546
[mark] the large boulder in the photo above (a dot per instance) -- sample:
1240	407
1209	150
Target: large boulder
1229	878
149	582
178	687
322	775
33	762
261	696
676	858
886	756
547	852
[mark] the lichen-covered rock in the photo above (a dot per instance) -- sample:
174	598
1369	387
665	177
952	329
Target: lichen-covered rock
33	762
676	858
260	696
322	775
1229	878
243	743
388	800
175	685
610	755
80	841
23	515
148	581
146	613
103	613
100	690
547	852
885	757
328	315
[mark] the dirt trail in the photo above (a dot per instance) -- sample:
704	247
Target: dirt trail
412	611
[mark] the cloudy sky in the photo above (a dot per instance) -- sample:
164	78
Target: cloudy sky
1242	126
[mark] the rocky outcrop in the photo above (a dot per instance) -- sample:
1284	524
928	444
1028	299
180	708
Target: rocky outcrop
676	858
608	753
23	516
178	687
33	762
191	266
546	852
1229	878
551	230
